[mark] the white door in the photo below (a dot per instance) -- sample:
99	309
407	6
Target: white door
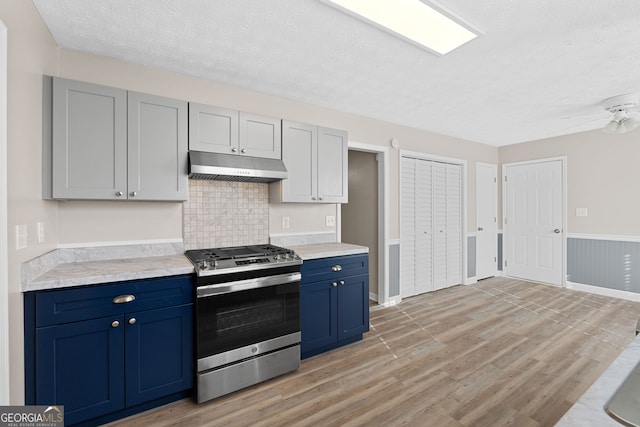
534	221
431	226
486	220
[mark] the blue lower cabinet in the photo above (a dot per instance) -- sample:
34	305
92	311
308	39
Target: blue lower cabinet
334	303
81	365
109	367
319	316
159	353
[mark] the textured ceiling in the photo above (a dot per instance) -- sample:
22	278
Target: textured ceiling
537	61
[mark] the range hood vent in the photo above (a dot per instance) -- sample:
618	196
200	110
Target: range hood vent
227	167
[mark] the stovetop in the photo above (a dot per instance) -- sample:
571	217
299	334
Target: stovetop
208	262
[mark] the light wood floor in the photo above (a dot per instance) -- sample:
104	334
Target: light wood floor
500	352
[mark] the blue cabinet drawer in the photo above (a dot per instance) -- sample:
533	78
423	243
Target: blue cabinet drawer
91	302
334	267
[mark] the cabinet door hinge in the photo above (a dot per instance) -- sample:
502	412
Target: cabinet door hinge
505	262
495	259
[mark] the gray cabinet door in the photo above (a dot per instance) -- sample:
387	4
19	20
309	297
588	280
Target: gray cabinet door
299	149
213	129
89	152
333	167
260	136
157	162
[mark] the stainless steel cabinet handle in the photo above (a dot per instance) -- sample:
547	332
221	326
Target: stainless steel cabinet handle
133	194
244	150
557	231
334	284
341	282
115	324
119	193
235	150
122	299
336	268
132	321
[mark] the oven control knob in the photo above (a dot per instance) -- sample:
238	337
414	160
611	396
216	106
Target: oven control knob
277	257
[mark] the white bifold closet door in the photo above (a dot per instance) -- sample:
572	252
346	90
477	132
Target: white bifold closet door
431	226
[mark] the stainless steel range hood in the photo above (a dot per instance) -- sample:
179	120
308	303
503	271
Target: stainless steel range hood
226	167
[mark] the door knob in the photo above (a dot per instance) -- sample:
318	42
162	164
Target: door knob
234	150
244	150
115	324
557	231
119	193
132	321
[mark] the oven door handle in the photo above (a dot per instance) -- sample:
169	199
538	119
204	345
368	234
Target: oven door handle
243	285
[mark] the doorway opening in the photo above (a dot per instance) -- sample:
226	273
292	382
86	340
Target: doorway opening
364	220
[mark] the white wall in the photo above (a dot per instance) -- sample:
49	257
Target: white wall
602	176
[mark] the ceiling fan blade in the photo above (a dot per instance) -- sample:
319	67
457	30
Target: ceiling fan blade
587	122
601	114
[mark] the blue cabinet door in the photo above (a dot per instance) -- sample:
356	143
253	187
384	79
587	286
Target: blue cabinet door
318	315
353	306
81	365
159	353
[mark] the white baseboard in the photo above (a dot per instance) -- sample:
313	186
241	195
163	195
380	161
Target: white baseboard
470	280
373	297
631	296
392	301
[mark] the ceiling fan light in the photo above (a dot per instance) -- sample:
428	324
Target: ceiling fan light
612	127
629	124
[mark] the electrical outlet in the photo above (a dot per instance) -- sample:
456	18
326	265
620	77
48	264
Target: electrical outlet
22	236
40	229
330	221
285	222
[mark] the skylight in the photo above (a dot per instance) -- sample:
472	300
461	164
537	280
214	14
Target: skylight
412	20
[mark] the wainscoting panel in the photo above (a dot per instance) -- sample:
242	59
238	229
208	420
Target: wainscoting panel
471	256
611	264
499	251
394	270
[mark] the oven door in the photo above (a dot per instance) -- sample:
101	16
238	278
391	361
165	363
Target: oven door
247	316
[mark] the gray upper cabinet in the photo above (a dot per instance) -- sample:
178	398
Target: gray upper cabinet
157	148
89	151
213	129
333	165
219	130
260	136
316	161
110	144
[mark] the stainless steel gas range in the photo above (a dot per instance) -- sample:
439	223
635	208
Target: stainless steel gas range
247	316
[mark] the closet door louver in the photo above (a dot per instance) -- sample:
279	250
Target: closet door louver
408	227
431	226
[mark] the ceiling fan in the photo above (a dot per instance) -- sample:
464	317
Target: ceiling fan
622	113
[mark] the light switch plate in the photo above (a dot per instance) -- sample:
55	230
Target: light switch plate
22	236
581	211
330	221
285	222
40	229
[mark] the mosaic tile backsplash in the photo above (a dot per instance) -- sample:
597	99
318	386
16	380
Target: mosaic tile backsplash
223	213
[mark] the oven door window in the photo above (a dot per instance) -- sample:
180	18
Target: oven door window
237	319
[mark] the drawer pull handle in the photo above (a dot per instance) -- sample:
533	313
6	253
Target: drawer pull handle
115	324
132	321
341	282
334	284
123	299
336	268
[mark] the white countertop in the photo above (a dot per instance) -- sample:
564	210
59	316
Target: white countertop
63	268
117	270
327	250
588	411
